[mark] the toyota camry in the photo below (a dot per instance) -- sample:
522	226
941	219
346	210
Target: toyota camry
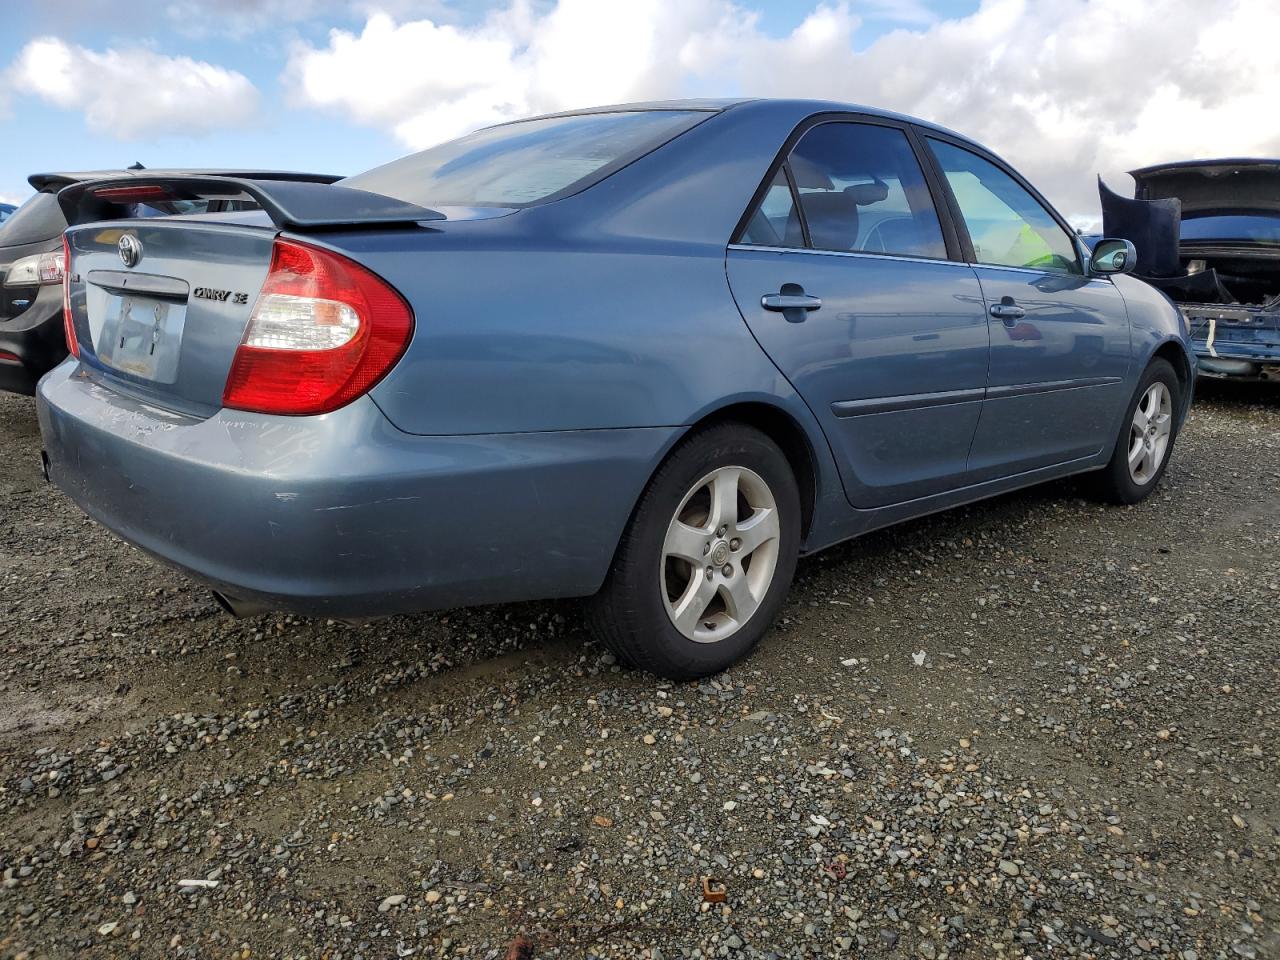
646	354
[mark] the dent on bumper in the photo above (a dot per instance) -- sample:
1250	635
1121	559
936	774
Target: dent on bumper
343	514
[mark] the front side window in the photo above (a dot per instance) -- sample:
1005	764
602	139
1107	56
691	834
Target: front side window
1007	225
860	190
526	162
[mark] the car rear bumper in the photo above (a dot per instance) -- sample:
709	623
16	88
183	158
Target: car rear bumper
344	515
35	338
1244	350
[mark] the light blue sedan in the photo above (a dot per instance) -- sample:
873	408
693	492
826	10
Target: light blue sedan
647	354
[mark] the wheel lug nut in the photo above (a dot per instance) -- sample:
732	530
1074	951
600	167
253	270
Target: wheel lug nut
706	548
735	544
727	570
710	572
721	531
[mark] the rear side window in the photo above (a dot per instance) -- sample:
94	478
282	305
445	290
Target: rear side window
40	218
776	220
860	190
1007	225
527	162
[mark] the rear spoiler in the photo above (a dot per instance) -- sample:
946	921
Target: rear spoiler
292	205
54	181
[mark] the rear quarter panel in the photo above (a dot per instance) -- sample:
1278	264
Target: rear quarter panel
607	309
568	339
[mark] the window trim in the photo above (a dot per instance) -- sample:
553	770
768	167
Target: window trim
950	236
962	227
795	202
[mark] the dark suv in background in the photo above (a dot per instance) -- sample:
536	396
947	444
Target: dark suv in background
31	335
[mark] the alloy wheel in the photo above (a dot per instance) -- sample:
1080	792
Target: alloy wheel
719	554
1149	433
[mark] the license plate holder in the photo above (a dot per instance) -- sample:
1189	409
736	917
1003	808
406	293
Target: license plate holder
142	336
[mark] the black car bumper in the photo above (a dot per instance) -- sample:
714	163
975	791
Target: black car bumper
33	342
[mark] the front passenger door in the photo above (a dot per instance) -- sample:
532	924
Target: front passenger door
1059	338
841	270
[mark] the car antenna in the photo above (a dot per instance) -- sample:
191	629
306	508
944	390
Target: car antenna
137	165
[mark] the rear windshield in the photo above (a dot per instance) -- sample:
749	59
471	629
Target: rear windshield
531	161
40	218
1247	227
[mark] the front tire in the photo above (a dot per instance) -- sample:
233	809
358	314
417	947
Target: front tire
707	559
1146	437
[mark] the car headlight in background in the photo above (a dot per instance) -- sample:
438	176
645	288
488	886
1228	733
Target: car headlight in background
41	269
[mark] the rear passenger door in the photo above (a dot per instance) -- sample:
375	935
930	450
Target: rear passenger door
849	279
1059	338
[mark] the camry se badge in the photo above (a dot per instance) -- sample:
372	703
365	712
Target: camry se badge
222	296
130	248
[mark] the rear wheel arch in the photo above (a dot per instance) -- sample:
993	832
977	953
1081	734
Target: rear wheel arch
792	439
776	424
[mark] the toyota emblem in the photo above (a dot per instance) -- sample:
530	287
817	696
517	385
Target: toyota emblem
130	250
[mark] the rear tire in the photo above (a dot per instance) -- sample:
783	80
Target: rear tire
708	556
1146	438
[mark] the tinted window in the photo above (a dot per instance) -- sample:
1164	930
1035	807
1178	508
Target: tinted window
861	190
1247	227
40	218
775	222
525	162
1007	225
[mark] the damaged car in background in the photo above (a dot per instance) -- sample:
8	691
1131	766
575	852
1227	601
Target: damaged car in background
1207	233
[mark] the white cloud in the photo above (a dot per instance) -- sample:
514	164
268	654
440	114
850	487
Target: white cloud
133	93
242	18
1063	90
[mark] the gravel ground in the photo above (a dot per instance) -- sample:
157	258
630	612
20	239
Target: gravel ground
1031	728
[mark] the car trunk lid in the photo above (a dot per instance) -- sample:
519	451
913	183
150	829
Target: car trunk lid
1207	233
160	307
1201	185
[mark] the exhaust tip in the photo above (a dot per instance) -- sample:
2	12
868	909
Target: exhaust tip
220	599
240	608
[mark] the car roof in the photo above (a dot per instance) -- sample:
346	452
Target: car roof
45	181
801	107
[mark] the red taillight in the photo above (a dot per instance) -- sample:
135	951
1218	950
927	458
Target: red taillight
323	331
68	324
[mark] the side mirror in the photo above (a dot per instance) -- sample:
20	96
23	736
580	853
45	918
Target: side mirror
1114	256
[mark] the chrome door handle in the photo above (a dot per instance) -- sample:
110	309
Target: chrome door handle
789	301
1008	311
